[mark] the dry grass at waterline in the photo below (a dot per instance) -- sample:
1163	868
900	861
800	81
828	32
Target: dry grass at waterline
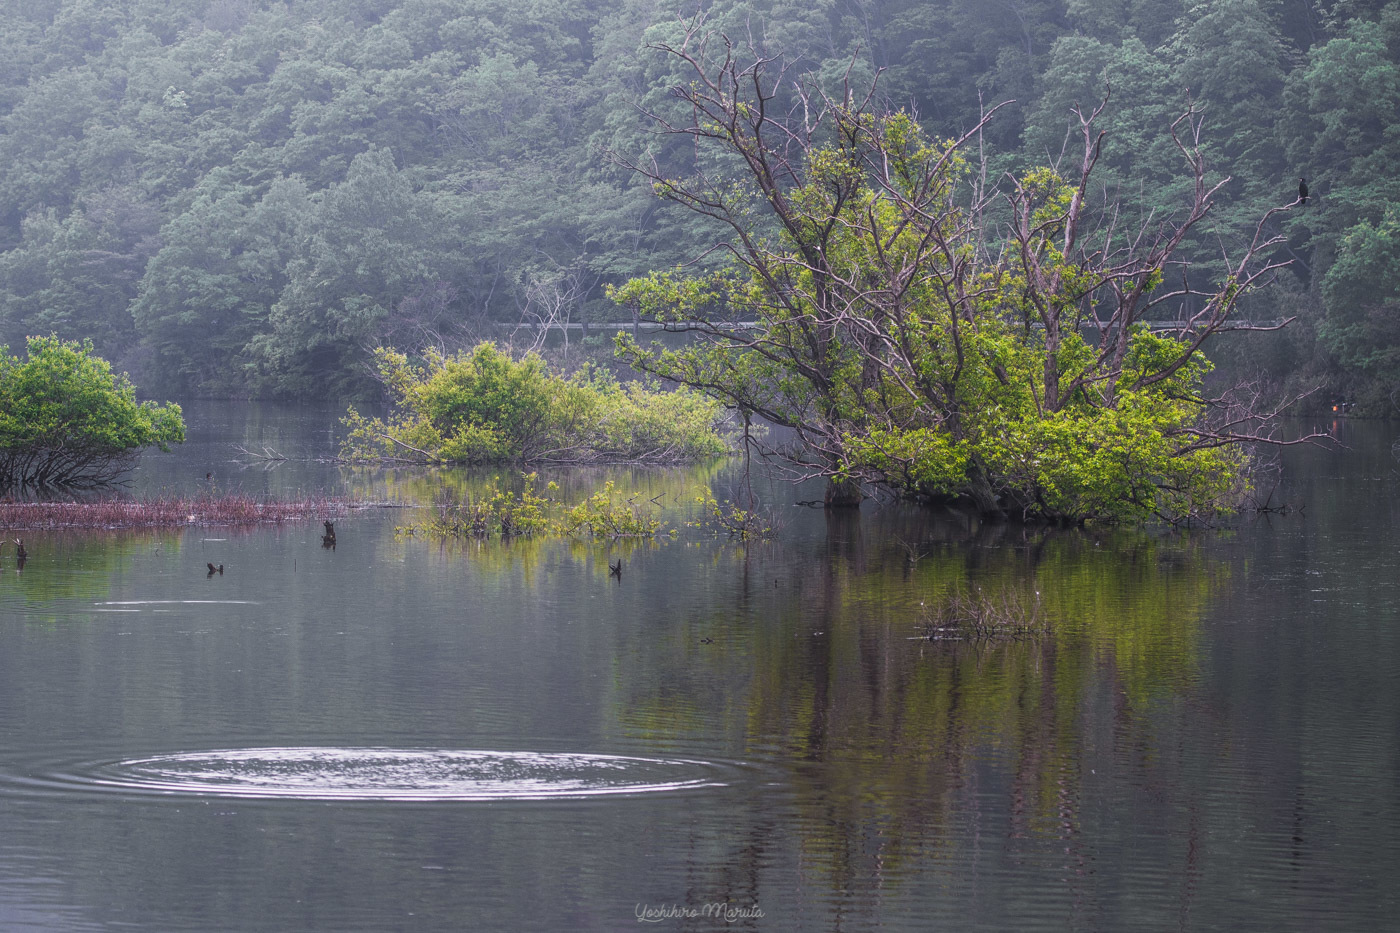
170	511
979	616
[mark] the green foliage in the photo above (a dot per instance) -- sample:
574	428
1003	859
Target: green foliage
753	523
241	198
1362	290
66	418
1338	119
609	513
904	352
481	406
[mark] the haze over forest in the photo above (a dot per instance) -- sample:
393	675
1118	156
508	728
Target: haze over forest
244	198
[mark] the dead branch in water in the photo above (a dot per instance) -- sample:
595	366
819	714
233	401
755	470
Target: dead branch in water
268	453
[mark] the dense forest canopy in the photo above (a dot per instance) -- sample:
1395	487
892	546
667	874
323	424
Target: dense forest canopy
241	197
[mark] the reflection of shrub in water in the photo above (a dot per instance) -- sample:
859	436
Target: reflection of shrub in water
605	514
1008	615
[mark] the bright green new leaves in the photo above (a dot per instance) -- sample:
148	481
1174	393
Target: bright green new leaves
481	406
67	419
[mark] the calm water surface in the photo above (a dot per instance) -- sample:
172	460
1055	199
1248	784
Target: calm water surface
402	735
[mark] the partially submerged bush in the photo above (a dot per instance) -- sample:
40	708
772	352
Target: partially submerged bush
753	523
611	514
979	616
67	419
494	511
481	406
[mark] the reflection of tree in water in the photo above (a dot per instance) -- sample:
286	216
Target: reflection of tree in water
68	566
887	735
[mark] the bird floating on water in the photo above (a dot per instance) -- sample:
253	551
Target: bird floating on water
616	569
20	552
213	570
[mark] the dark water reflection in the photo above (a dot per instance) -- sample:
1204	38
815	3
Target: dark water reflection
1206	739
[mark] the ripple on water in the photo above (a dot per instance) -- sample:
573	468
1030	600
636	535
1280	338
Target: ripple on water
390	774
175	602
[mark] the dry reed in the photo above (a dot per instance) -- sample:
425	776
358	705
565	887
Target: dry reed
167	511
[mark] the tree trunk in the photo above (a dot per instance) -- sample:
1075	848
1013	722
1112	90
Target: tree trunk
843	494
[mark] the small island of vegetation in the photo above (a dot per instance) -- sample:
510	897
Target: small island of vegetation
66	419
929	331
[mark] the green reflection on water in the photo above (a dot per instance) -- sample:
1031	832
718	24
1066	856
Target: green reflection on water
425	487
882	731
71	567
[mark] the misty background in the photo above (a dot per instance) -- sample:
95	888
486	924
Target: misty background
238	198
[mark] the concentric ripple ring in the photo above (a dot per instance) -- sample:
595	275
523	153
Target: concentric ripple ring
403	774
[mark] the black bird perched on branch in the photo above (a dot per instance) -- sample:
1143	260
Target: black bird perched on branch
1303	190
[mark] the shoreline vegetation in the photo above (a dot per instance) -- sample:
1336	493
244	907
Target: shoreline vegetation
172	511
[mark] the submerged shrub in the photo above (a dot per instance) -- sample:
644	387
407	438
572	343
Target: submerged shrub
754	523
611	514
482	406
494	511
1008	615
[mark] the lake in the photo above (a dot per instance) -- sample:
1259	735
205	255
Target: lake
406	734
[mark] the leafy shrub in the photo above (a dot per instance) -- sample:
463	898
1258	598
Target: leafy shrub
608	514
753	523
481	406
67	419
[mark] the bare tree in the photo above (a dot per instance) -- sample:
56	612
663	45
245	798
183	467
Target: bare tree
551	298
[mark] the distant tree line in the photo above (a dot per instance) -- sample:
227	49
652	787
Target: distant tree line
244	197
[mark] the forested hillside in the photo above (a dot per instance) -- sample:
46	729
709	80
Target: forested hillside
239	197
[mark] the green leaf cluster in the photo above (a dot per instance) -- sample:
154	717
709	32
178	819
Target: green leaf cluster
1362	291
67	418
493	511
